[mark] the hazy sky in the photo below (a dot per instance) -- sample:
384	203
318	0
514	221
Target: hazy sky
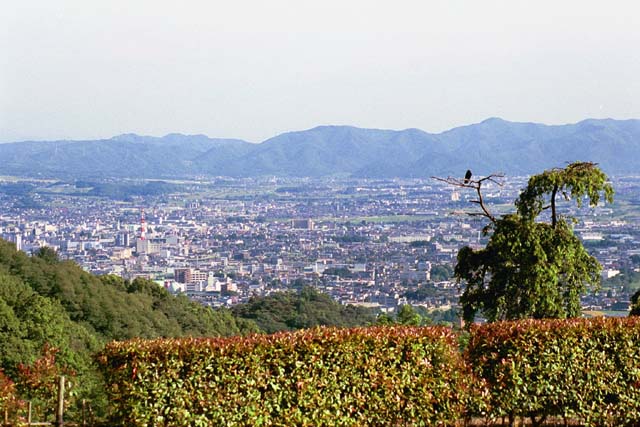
252	69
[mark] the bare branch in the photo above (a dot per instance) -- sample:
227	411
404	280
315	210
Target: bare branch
476	184
496	178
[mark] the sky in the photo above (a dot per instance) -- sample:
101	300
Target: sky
251	69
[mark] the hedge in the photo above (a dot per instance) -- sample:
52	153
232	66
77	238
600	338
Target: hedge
586	369
378	376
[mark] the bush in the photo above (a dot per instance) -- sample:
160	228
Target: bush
582	369
376	376
9	400
578	368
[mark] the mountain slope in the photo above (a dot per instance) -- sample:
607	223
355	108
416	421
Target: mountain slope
126	155
524	148
333	150
490	146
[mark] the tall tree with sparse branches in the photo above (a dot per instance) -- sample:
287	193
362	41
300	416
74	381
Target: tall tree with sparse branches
532	267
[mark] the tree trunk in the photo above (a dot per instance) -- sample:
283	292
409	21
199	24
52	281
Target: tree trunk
554	220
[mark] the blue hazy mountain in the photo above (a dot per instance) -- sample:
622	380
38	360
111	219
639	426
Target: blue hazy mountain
490	146
341	150
524	148
126	155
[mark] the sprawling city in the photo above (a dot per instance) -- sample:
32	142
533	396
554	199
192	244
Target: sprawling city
376	243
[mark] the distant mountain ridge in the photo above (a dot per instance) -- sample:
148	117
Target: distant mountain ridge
492	145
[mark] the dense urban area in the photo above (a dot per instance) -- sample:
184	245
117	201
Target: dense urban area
375	243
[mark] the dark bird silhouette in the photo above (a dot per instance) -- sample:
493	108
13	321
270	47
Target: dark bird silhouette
467	176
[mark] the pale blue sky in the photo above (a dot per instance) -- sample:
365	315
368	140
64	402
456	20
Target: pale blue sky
252	69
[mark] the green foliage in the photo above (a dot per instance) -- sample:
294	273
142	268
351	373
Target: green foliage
46	303
37	381
321	377
350	238
580	369
527	269
627	280
635	304
17	189
120	190
424	292
406	315
441	272
530	268
576	181
285	311
49	255
444	317
111	307
29	321
576	368
31	325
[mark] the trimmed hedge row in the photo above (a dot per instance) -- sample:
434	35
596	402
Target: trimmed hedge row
376	376
585	369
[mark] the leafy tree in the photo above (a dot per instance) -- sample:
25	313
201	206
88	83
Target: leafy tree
423	292
576	181
628	281
385	319
282	311
635	304
406	315
533	267
450	316
49	255
441	272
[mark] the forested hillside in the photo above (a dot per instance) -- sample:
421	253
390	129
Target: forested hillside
53	310
50	304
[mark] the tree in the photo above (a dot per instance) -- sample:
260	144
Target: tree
635	304
282	311
406	315
49	255
441	272
532	266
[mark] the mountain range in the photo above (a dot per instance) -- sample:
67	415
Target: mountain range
494	145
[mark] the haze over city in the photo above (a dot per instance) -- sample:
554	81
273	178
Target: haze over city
250	70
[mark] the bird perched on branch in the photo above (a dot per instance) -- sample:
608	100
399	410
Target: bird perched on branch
467	176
